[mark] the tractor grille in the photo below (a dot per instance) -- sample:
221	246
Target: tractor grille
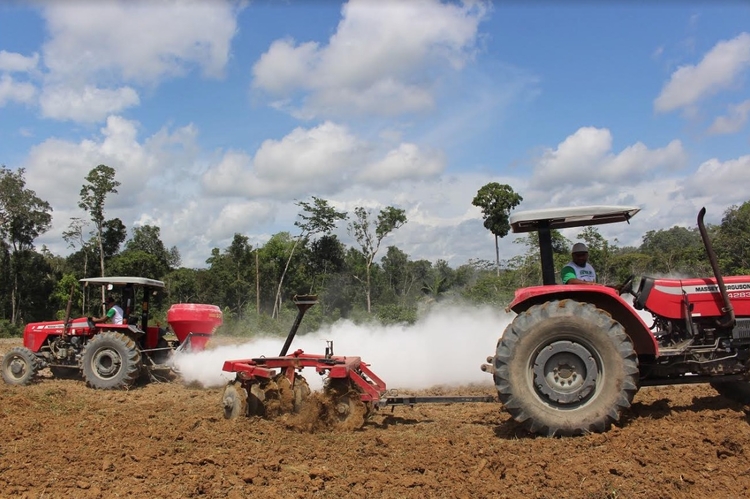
741	331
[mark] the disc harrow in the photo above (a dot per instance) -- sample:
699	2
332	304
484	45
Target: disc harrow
272	386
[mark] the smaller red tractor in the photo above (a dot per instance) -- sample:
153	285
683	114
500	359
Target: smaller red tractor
575	355
111	356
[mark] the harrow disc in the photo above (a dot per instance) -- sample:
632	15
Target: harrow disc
347	410
234	401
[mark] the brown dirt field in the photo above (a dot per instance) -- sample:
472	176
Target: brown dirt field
167	440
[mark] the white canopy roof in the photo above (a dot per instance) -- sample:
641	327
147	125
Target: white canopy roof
574	216
121	281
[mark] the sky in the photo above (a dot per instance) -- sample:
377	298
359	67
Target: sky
219	116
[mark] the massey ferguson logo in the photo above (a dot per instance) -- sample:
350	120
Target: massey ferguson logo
730	287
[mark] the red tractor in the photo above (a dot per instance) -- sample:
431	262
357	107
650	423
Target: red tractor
111	356
575	355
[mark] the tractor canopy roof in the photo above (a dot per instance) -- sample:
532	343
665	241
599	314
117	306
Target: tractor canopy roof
123	281
575	216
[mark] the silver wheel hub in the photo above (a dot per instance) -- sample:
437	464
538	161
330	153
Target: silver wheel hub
17	367
565	373
106	363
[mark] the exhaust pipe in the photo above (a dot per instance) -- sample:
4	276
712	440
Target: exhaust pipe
727	310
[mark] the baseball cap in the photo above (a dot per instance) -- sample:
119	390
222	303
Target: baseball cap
579	248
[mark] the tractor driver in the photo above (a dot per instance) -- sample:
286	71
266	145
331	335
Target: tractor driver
114	312
578	270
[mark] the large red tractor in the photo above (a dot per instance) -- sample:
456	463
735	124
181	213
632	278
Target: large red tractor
111	356
575	355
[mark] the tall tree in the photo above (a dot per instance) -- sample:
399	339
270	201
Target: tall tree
147	239
23	217
389	219
496	201
317	217
100	182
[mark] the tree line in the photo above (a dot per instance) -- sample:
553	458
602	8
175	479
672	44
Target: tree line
254	285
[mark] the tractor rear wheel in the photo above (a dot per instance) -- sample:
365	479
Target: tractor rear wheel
736	391
111	361
19	366
565	368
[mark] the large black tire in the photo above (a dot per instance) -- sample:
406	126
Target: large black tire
736	391
111	361
19	366
565	368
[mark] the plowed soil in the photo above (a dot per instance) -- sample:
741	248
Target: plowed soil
170	440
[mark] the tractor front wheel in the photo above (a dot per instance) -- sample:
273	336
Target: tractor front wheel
111	361
19	366
565	368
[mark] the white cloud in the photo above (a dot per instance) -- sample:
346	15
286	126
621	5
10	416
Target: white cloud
716	179
407	162
733	121
14	62
323	160
377	60
87	104
719	69
253	192
15	91
585	160
96	47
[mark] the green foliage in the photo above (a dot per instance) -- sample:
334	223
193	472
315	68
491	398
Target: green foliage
388	220
23	217
10	330
254	286
496	201
732	248
67	288
315	218
675	251
100	182
392	313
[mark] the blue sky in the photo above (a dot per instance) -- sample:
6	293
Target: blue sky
218	116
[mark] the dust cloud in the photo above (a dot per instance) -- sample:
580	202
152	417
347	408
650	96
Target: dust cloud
446	347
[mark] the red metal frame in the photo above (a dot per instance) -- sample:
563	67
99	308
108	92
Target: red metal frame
335	365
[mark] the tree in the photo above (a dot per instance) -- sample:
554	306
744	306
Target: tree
316	218
732	240
23	217
74	237
497	201
147	239
100	182
389	219
114	233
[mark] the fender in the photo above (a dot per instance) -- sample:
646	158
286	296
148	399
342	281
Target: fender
602	297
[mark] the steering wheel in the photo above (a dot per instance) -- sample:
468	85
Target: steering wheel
627	286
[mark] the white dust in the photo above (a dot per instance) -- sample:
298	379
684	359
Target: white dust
446	347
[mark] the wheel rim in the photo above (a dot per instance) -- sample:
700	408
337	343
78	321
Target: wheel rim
106	363
565	374
17	367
